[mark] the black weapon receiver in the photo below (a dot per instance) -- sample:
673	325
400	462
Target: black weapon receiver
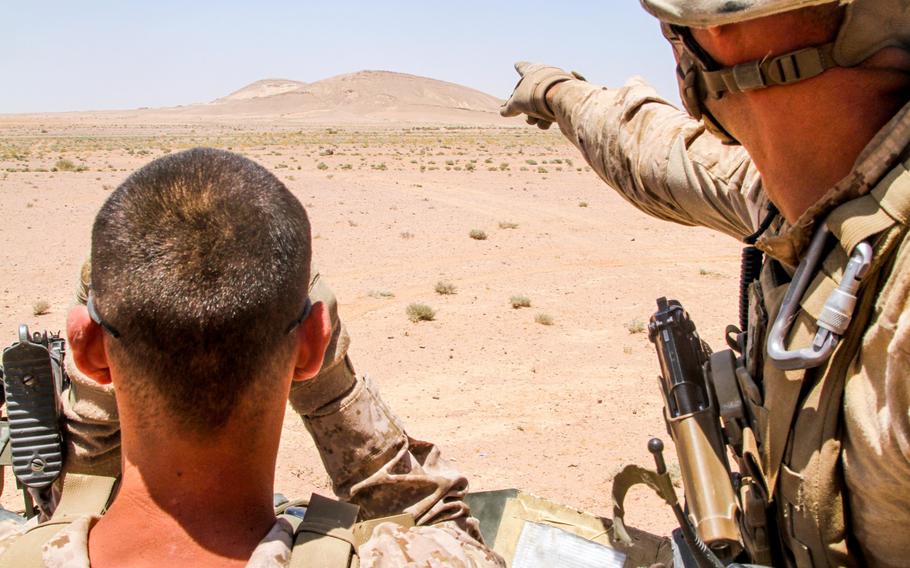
682	355
33	377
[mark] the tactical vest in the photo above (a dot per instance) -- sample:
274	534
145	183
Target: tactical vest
327	536
799	414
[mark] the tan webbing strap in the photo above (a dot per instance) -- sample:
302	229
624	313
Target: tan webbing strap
82	495
857	220
324	538
629	477
894	194
887	205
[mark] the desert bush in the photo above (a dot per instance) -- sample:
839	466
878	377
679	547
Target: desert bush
507	225
64	165
322	166
520	302
477	235
544	319
541	170
420	312
635	326
583	204
41	307
531	162
445	288
406	235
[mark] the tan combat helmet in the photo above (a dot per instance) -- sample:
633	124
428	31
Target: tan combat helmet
868	26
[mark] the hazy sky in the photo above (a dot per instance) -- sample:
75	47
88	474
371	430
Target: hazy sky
87	55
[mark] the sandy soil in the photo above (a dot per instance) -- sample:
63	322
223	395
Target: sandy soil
555	410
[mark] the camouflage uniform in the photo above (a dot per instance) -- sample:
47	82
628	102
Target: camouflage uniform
665	164
392	546
372	462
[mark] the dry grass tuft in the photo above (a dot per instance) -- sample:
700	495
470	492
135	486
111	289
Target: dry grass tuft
445	288
520	302
544	319
41	307
420	312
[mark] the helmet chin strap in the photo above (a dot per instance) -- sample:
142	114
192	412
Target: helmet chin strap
701	77
783	69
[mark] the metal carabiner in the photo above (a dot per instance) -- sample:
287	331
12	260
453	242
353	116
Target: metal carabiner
835	315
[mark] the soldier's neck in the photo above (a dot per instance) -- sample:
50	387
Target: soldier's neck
186	504
803	146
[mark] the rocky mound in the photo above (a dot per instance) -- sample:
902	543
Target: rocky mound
365	96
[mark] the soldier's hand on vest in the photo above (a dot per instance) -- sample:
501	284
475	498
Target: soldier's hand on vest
530	94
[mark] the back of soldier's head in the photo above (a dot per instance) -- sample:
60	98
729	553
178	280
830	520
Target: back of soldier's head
200	260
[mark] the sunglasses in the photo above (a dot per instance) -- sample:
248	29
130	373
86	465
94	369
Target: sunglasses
96	317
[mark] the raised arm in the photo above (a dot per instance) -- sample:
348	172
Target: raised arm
656	156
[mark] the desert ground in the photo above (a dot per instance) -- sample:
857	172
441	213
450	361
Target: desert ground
553	398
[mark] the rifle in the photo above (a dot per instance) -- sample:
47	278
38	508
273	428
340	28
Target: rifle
705	416
32	435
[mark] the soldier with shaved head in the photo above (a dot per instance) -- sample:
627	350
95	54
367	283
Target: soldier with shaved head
202	312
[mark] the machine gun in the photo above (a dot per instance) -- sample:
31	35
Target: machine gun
690	410
705	417
31	435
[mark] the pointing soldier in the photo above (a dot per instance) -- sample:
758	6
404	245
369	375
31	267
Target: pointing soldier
796	140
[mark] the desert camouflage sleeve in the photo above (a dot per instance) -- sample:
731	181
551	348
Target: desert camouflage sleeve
660	159
376	465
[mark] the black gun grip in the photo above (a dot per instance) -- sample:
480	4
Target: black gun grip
32	403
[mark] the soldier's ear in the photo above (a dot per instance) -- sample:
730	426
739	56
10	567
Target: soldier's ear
86	345
313	336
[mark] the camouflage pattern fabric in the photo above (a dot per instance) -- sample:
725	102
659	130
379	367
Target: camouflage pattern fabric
667	165
368	455
9	532
392	546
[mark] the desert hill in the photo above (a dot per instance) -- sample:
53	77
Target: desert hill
262	89
361	97
378	98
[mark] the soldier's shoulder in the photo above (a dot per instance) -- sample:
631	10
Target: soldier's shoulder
10	530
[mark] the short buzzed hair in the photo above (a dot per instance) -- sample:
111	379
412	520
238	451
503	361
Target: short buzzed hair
200	261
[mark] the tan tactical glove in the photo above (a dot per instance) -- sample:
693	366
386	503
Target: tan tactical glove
530	94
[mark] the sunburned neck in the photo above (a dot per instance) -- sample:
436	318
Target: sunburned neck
186	508
804	148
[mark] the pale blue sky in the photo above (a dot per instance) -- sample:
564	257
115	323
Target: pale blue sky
87	55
